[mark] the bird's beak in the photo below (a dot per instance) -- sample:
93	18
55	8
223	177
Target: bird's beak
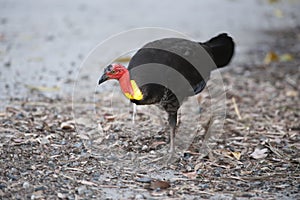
103	79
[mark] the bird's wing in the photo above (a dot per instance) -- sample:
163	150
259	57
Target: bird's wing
189	59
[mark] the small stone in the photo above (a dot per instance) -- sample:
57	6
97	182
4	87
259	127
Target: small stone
78	144
144	180
44	140
144	148
12	177
2	186
40	188
81	190
61	195
139	196
126	144
26	185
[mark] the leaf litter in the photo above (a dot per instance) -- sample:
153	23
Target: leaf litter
43	156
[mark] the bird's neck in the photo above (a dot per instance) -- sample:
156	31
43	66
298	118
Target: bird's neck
130	88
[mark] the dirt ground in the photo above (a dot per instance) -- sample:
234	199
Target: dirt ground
46	154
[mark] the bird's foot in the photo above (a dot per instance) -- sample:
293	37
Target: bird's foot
170	158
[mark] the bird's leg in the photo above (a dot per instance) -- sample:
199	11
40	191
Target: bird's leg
133	113
172	140
172	122
162	123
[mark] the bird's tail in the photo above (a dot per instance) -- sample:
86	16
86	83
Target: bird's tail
221	48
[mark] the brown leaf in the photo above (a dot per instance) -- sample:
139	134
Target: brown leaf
110	117
156	184
154	145
107	127
12	110
68	125
271	57
237	155
190	175
18	140
198	166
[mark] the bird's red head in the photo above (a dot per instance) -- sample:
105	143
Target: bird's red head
113	71
128	86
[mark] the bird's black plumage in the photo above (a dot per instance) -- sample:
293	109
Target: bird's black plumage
221	48
163	52
183	56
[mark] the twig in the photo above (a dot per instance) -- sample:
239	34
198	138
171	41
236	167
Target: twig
277	152
254	178
68	177
74	169
112	186
235	178
236	109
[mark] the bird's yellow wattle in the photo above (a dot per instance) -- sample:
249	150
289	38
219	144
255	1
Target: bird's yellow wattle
137	94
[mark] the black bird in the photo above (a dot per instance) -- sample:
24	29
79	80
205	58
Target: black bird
166	71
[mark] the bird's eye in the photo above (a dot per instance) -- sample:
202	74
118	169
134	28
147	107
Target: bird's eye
112	71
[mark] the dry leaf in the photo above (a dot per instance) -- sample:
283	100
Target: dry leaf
236	108
123	59
110	117
18	140
83	136
159	185
286	57
43	88
237	155
271	57
259	153
278	13
190	175
154	145
69	125
292	93
84	182
198	166
107	127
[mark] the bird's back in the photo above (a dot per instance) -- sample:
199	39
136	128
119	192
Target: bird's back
181	65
